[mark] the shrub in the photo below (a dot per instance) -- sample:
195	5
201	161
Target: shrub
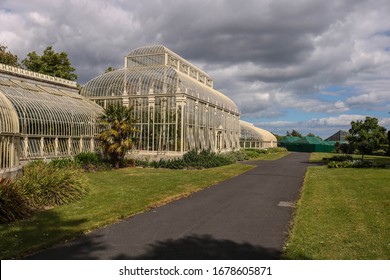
89	161
87	158
338	164
47	185
142	162
13	203
355	164
195	159
62	162
340	158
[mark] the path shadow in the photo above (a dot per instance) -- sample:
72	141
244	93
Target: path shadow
83	248
204	247
42	230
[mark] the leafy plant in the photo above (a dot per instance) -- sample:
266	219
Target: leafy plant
46	185
355	164
367	136
116	139
50	63
196	160
339	158
8	58
13	203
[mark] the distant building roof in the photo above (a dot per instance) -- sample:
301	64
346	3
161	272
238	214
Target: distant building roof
249	131
339	136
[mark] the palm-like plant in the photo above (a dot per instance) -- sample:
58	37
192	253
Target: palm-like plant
116	137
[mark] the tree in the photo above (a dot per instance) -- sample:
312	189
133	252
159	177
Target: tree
109	69
366	136
116	139
294	133
50	63
388	141
8	58
313	135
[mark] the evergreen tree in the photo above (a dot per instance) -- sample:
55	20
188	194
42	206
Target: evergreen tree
294	133
50	63
6	57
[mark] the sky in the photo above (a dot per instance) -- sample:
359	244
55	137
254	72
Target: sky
313	66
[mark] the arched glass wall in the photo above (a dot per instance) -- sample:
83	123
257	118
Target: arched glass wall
9	136
176	110
43	121
255	137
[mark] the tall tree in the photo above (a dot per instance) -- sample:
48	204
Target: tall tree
50	63
116	139
6	57
294	133
366	136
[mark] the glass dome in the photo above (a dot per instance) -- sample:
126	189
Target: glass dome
153	80
175	105
255	137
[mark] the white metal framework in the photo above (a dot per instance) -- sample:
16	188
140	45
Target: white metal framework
255	137
42	118
174	103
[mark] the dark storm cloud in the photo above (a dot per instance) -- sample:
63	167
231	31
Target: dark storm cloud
267	55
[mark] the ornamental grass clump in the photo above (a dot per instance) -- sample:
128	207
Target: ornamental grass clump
13	202
47	185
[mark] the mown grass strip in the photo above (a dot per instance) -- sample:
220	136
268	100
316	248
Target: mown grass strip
342	214
114	195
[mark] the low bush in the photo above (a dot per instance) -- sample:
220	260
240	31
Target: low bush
45	184
338	164
339	158
88	161
13	203
355	164
85	158
196	160
62	162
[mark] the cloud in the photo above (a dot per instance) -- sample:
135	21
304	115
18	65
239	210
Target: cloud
323	127
271	57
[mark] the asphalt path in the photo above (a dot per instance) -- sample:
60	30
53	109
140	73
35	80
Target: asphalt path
246	217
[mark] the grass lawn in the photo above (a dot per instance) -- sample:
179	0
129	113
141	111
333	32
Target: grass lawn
271	156
342	214
114	195
317	157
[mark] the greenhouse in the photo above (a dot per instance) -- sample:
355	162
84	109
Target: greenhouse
255	137
308	144
174	102
42	117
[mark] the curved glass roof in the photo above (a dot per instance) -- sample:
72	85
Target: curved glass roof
161	55
44	110
250	132
158	79
8	117
155	49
